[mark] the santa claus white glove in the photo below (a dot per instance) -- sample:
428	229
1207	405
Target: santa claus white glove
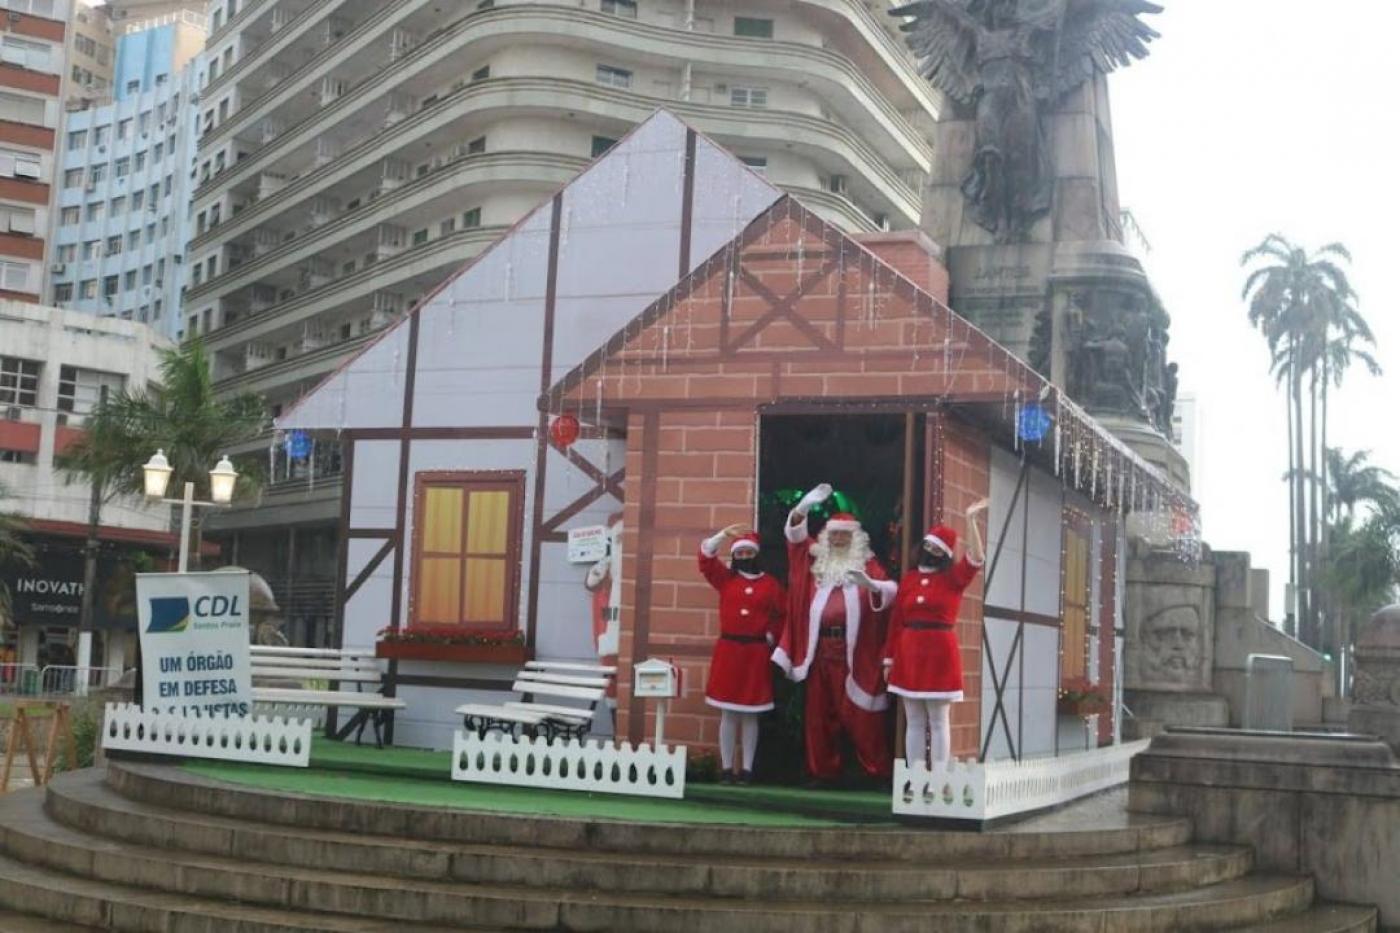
816	497
862	579
711	545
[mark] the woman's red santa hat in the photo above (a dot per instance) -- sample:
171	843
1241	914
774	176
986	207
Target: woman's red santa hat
942	538
843	521
746	541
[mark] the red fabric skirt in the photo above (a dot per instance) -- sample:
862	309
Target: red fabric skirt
927	665
739	676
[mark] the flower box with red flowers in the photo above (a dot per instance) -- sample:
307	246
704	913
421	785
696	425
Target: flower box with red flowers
1078	697
451	643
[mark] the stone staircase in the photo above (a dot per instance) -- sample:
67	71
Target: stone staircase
154	848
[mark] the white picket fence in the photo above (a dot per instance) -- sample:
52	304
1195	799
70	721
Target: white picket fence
268	740
569	765
981	791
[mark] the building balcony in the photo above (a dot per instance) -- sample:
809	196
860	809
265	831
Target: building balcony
835	80
415	269
313	365
454	179
824	142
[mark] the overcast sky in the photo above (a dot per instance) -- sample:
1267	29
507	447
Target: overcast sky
1251	117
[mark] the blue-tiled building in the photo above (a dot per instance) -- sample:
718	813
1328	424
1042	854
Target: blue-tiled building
122	208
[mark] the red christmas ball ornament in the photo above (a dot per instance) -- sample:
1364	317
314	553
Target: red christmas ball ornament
564	430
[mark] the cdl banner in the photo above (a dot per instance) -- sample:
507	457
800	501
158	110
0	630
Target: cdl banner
194	642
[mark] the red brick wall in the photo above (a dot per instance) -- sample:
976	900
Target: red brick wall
811	315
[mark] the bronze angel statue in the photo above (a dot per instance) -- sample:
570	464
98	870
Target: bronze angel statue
1005	61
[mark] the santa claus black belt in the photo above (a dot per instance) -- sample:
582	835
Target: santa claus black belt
835	631
745	639
929	626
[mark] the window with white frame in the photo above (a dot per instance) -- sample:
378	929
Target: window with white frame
77	139
36	56
614	77
14	276
70	215
73	178
754	97
19	381
63	291
79	390
20	109
17	164
87	288
627	8
16	219
35	7
67	252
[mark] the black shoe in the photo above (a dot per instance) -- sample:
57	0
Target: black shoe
726	777
745	777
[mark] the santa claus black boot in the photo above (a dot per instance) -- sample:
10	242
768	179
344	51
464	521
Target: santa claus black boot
726	777
746	777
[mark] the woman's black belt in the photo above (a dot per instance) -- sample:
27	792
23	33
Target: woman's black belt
929	626
746	639
834	631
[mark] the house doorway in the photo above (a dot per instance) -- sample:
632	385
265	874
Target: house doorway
873	460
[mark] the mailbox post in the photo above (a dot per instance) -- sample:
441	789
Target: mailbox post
657	680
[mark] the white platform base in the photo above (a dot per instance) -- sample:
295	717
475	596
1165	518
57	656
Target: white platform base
266	740
568	765
979	792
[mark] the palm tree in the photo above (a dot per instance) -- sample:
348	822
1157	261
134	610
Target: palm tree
1297	299
1355	482
183	417
14	550
1364	572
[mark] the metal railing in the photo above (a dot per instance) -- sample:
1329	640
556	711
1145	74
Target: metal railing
31	680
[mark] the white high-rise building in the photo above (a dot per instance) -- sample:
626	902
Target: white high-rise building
1186	427
354	153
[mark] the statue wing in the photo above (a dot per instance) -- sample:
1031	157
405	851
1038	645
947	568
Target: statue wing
943	37
1100	35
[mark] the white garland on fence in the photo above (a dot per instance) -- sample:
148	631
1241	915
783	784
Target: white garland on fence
269	740
569	765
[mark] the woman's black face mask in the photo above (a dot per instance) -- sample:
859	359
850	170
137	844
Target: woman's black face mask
933	561
745	564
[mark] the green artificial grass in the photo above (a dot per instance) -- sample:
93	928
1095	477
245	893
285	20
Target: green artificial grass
420	777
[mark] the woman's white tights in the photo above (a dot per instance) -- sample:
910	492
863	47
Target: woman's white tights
730	732
926	728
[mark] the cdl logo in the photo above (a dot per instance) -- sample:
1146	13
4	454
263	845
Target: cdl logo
172	613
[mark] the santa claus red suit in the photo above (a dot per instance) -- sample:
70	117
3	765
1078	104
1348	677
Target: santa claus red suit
922	654
837	597
604	583
752	607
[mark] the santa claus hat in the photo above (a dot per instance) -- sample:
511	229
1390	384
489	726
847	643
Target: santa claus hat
748	539
843	521
942	538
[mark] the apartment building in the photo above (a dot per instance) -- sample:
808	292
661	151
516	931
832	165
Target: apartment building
32	71
54	367
91	53
123	199
353	153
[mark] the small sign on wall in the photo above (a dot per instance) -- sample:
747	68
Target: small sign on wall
194	643
588	545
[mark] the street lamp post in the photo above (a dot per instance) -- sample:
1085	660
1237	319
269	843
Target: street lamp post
221	482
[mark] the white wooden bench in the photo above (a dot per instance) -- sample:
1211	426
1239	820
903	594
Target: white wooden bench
553	681
276	664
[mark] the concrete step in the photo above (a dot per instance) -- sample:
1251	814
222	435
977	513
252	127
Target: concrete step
83	802
66	904
12	922
1321	918
69	875
1055	836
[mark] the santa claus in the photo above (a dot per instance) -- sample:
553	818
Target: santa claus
752	606
604	583
837	596
922	654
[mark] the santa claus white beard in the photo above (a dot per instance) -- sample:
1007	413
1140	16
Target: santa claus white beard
833	566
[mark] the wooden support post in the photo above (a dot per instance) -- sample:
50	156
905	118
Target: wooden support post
60	727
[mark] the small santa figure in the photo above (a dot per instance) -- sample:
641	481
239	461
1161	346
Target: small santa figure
922	655
752	606
837	596
604	583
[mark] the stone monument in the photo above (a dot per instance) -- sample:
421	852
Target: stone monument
1024	197
1376	688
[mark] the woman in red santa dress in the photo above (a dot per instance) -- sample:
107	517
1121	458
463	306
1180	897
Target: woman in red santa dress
922	656
752	607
